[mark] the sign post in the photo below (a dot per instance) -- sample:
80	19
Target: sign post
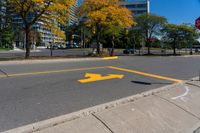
197	25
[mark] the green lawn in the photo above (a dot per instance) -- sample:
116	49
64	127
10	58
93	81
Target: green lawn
4	49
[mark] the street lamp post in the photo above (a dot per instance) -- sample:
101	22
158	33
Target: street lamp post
82	44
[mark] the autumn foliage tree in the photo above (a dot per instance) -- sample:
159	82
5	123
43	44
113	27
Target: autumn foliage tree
105	16
49	12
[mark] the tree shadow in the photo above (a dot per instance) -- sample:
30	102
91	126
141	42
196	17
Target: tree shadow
147	83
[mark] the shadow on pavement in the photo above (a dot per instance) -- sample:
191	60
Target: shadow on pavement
147	83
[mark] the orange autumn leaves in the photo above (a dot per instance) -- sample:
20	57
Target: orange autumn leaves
107	13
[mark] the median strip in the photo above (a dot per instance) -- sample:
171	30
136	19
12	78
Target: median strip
146	74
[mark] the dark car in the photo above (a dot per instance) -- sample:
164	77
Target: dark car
61	46
128	51
53	47
74	45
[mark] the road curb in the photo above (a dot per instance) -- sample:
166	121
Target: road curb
60	60
110	58
191	55
38	126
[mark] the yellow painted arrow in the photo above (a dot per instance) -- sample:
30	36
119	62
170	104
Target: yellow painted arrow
92	77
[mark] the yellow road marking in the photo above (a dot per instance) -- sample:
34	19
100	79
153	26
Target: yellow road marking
91	77
110	58
111	76
146	74
51	71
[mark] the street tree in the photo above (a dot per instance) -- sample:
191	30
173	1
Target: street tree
180	33
7	37
6	33
106	17
50	13
136	37
149	27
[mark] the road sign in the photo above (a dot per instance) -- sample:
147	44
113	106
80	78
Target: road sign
197	23
92	77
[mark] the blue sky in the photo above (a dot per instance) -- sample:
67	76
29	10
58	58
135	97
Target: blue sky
176	11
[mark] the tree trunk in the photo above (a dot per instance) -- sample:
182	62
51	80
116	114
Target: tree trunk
148	46
51	49
84	38
149	52
174	48
191	53
98	39
113	46
27	31
98	44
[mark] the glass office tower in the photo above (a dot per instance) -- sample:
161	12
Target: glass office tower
137	7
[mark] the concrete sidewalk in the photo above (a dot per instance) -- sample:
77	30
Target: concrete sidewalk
172	109
19	51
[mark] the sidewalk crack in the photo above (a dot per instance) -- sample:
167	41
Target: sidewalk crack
104	123
178	106
192	84
197	130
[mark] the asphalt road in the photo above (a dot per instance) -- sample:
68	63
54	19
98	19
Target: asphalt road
35	92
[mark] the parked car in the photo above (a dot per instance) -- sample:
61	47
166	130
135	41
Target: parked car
197	50
56	46
128	51
74	45
52	47
41	47
61	46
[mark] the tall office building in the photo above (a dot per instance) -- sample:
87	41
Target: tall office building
38	28
73	19
137	7
2	12
1	19
47	37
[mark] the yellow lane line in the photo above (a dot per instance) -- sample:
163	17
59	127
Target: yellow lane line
146	74
51	71
110	58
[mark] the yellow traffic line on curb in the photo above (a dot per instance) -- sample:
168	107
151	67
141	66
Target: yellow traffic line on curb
51	71
110	58
146	74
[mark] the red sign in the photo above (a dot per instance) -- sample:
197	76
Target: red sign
197	23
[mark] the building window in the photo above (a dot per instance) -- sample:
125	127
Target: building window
130	6
141	5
